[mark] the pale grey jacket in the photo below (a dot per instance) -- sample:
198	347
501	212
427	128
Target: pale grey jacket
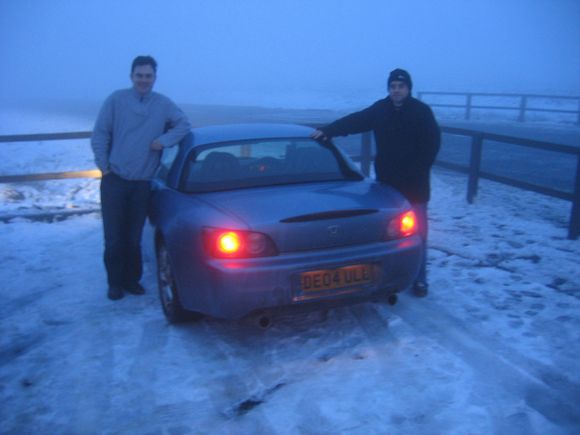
127	125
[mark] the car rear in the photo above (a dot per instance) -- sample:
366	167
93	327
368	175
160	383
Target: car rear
291	223
305	244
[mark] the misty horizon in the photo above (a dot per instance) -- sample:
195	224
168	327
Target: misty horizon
225	52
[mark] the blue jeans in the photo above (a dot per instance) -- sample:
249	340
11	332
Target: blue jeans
124	206
420	209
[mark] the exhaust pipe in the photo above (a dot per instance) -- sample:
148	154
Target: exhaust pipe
392	299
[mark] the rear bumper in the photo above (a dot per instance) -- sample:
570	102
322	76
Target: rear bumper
232	289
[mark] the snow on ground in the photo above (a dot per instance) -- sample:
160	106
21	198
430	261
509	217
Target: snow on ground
493	349
18	158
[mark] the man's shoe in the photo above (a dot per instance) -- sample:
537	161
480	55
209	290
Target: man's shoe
115	293
138	290
420	289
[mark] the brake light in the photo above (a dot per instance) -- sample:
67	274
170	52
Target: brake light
222	243
403	225
408	223
228	243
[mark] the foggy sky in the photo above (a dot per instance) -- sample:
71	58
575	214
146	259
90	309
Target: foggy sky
83	49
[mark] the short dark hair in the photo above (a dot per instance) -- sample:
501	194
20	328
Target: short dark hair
143	60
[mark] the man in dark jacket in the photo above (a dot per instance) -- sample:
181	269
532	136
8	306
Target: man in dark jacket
407	139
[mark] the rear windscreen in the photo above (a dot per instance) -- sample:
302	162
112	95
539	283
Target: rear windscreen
235	165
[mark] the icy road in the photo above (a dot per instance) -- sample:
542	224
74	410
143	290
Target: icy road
494	349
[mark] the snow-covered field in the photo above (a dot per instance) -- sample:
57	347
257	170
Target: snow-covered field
494	349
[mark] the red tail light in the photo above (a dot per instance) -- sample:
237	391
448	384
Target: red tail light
228	243
408	223
404	225
222	243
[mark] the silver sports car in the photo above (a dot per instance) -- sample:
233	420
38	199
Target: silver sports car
257	218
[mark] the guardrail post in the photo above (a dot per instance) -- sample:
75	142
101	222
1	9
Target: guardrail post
523	106
474	166
365	153
574	226
468	106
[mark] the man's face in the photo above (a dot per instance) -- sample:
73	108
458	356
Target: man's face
143	78
398	91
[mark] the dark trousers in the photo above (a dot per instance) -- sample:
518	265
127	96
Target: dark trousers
423	222
124	206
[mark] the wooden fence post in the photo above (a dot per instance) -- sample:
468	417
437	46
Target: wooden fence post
474	166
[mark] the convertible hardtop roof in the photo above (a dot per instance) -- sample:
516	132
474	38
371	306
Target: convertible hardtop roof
235	132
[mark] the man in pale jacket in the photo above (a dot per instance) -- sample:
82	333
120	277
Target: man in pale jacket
133	127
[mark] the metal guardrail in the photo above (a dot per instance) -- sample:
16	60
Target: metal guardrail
522	108
91	173
45	136
473	170
475	173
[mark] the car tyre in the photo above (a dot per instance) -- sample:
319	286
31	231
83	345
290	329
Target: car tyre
168	294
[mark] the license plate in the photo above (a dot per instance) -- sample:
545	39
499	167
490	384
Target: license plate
330	279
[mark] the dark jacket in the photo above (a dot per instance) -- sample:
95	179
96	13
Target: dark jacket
407	141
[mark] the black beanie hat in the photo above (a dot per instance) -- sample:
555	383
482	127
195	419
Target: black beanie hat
400	75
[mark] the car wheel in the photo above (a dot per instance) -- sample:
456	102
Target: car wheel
168	294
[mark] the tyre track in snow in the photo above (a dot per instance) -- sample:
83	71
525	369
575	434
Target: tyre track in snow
257	364
508	372
251	367
70	387
408	371
71	375
219	378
